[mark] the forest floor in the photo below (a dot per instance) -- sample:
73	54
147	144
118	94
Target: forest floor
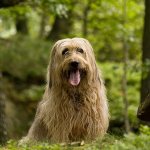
110	142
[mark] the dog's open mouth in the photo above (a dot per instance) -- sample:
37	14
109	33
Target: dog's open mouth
74	77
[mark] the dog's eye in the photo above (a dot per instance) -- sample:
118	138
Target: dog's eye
80	50
65	51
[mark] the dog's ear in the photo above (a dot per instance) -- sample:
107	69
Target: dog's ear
95	70
51	66
97	74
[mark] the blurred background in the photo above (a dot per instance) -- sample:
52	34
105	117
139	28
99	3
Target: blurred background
29	28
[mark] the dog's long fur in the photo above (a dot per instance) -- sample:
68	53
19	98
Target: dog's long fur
71	113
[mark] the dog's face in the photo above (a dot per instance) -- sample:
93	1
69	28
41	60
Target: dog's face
72	62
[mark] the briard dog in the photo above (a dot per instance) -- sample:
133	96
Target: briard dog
74	105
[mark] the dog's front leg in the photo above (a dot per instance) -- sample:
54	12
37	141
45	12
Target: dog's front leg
36	133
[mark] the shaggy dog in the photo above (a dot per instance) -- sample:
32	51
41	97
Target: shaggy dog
74	105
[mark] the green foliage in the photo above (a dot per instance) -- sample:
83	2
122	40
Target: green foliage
32	94
113	73
131	141
22	57
105	28
13	145
110	142
24	62
145	129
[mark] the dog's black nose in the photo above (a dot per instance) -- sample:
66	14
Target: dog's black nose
74	64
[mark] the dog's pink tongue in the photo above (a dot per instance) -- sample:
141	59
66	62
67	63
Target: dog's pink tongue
74	78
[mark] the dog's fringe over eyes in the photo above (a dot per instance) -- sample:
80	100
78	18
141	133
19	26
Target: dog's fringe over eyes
74	106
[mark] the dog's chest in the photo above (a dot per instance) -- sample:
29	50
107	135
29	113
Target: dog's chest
77	100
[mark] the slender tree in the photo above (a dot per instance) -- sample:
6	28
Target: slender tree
43	23
125	67
85	18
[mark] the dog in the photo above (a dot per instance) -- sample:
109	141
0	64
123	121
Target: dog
74	105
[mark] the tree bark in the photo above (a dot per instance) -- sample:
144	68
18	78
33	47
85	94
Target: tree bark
3	133
144	108
62	26
145	87
124	77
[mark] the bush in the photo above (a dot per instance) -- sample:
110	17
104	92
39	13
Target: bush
23	56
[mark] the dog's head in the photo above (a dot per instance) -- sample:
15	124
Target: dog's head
72	63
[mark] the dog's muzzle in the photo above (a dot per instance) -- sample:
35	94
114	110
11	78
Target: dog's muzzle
75	73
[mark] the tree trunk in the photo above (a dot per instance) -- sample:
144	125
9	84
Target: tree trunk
85	18
62	26
145	87
144	108
9	3
124	87
22	24
43	23
124	77
3	133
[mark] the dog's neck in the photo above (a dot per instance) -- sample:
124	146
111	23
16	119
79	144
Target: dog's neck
76	96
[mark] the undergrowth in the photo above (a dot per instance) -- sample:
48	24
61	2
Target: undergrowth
129	141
